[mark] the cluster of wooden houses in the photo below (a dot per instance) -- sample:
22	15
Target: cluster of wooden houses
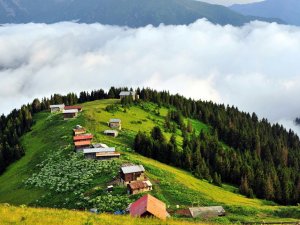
83	143
132	176
68	112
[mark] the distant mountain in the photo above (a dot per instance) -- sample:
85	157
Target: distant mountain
286	10
132	13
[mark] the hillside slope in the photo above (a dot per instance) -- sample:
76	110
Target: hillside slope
51	136
132	13
286	10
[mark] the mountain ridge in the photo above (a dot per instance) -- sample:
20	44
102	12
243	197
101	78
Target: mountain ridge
131	13
286	10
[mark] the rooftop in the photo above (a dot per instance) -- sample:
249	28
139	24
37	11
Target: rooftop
132	169
82	143
70	111
57	106
150	204
110	132
127	93
115	121
98	150
73	107
139	185
100	145
83	137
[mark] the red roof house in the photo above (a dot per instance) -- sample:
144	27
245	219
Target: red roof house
83	137
79	108
148	206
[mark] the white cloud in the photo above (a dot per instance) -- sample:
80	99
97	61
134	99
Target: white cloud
254	67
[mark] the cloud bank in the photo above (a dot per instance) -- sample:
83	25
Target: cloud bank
255	67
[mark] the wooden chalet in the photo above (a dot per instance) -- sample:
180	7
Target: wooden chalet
136	187
207	212
70	113
148	206
112	133
115	124
83	137
80	145
132	173
79	108
125	94
57	108
79	131
101	153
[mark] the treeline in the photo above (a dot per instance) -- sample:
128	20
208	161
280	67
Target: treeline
263	159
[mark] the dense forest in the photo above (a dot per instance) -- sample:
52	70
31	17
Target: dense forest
262	159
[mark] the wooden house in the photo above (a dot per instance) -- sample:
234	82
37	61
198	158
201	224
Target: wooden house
78	131
115	124
70	113
80	145
136	187
148	206
112	133
207	212
79	108
83	137
101	153
57	108
125	94
132	173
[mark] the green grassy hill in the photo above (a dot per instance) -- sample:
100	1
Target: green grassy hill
51	175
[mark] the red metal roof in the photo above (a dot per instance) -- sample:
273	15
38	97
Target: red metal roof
82	143
83	137
73	107
149	204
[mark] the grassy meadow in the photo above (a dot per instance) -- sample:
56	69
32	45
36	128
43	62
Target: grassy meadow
51	135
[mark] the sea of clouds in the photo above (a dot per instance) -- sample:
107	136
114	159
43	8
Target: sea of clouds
255	67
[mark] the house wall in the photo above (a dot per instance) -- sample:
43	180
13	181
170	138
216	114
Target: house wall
55	110
70	115
115	125
127	178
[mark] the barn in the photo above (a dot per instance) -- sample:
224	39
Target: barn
148	206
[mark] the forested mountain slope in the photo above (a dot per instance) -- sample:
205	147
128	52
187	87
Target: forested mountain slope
174	130
132	13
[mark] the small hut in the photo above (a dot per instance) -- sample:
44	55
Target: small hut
137	187
115	124
112	133
70	113
207	212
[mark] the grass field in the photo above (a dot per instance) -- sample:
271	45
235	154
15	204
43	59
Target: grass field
173	186
43	216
